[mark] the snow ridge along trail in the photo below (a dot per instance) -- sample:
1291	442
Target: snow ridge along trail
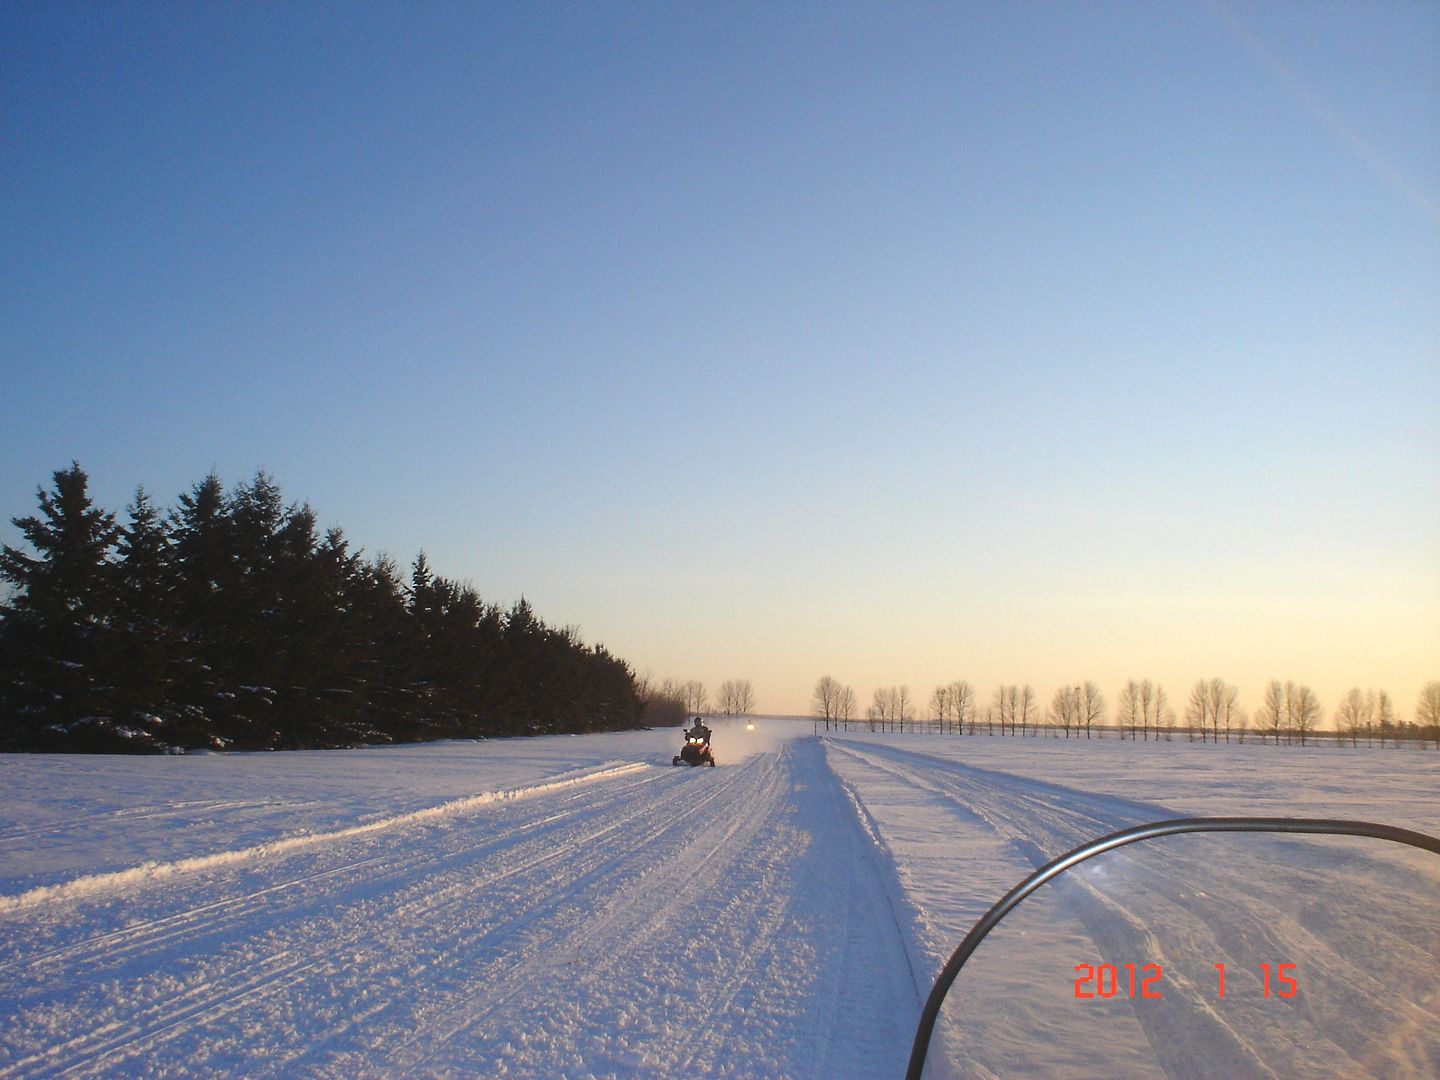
96	883
633	919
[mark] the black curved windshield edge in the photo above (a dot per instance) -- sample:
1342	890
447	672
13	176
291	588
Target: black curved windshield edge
1173	826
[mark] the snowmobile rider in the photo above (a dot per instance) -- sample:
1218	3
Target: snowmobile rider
698	730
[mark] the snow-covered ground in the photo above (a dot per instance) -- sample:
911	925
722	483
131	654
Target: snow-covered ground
576	907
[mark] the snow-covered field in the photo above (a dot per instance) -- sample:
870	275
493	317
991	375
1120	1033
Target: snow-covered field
576	907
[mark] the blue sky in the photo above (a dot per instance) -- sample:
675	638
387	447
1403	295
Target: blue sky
902	343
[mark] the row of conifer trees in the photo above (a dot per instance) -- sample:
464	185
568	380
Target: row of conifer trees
230	621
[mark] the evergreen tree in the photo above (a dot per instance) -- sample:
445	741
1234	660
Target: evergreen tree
387	651
147	646
202	554
326	684
257	645
59	633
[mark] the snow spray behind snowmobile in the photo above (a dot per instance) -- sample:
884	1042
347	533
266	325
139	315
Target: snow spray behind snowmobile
1237	947
696	750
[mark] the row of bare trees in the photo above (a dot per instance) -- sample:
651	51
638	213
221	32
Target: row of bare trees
1288	711
834	703
1368	713
1143	709
669	702
737	697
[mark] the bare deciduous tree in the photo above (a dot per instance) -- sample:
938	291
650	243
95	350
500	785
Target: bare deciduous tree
1157	708
663	705
940	707
1304	709
890	707
1129	710
1427	711
1006	705
736	697
827	700
962	705
1354	714
1065	708
1271	716
1142	707
1092	706
1385	717
1213	707
1224	708
697	698
1016	708
1027	709
744	698
879	712
1197	710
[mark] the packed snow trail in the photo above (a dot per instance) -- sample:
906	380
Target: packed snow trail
653	921
1359	918
962	835
576	907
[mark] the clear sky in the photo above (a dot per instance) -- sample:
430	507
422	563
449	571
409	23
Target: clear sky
1013	342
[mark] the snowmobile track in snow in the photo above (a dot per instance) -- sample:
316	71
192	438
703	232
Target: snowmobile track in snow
569	930
593	915
1042	819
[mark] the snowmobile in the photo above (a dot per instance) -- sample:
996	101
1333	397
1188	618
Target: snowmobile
696	751
1238	947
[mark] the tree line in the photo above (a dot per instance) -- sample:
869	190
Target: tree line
1212	713
231	621
670	702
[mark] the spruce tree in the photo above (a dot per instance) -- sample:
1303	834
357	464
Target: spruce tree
387	650
147	646
59	630
203	559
